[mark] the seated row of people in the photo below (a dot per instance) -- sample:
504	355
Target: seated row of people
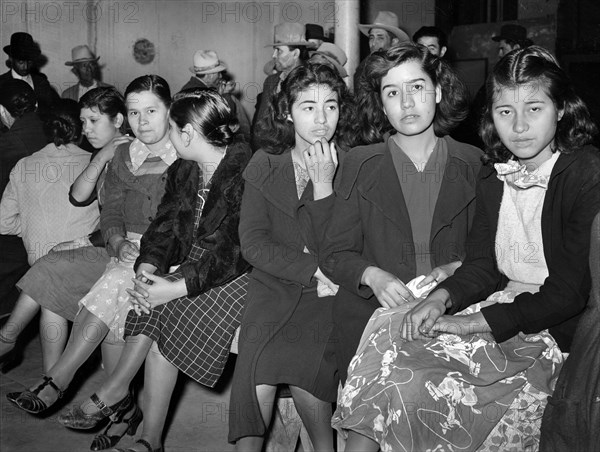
336	236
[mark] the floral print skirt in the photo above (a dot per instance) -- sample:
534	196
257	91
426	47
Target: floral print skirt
108	298
448	393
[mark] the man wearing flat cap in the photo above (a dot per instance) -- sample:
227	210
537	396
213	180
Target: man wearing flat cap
384	32
86	69
511	37
22	53
290	49
207	70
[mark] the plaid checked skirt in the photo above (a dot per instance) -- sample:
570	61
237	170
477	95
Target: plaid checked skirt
195	333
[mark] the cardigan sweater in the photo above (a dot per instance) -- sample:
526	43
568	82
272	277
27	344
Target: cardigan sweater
570	205
130	202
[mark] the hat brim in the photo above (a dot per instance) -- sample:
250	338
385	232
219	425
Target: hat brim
29	54
212	70
341	70
499	38
401	35
301	43
82	60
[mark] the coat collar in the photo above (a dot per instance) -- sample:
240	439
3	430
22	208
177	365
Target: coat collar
224	180
383	189
273	175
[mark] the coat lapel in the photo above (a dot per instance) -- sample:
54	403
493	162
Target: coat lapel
384	191
277	189
456	193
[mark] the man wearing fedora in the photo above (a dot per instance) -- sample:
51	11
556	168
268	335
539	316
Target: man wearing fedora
315	34
22	53
86	69
290	49
207	70
384	32
511	37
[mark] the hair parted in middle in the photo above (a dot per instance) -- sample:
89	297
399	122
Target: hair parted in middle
207	112
276	134
372	121
536	66
153	83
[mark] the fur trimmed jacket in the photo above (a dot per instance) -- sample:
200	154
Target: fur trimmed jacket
169	238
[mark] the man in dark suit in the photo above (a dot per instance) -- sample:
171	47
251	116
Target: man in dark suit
22	53
25	136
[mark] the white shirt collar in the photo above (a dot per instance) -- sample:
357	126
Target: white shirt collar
139	152
27	78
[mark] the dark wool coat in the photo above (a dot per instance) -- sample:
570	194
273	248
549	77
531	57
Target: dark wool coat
570	205
572	416
45	94
274	229
370	225
169	237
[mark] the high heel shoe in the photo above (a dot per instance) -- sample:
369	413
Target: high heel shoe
104	440
29	400
77	419
12	358
144	443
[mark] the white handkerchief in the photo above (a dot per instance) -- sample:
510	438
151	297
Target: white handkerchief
423	291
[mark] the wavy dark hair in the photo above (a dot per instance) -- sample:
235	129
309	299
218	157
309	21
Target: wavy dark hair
207	112
62	125
153	83
276	134
535	65
373	122
17	97
108	100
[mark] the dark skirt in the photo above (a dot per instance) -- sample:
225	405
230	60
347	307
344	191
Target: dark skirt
57	281
194	334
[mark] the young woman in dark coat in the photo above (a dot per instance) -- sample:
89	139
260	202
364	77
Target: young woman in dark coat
285	336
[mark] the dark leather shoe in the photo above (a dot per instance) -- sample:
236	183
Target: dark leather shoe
104	440
77	419
30	402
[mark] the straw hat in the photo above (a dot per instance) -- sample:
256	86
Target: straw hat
81	54
334	55
206	62
388	21
290	34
